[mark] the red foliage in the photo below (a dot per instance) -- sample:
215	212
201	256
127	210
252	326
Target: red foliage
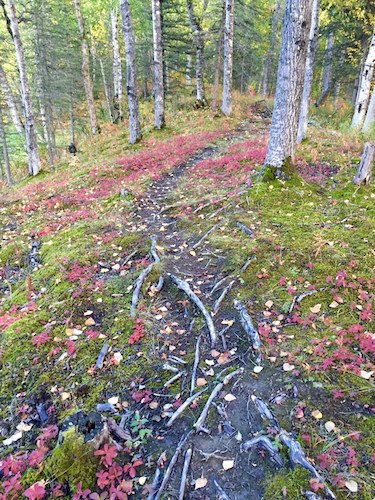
138	332
107	454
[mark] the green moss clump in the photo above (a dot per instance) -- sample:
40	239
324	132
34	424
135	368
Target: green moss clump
295	482
73	461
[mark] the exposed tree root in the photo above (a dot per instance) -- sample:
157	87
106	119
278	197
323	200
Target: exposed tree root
213	228
102	355
222	494
298	298
222	297
265	443
173	379
183	407
245	229
265	412
195	366
185	469
248	325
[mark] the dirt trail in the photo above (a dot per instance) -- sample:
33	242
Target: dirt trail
229	423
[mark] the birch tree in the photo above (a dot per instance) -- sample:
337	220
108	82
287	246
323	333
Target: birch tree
30	132
11	102
309	71
4	147
198	35
131	73
327	70
364	87
226	107
219	56
271	51
370	115
290	80
159	90
86	69
117	67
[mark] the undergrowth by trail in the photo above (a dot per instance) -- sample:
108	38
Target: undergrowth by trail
313	233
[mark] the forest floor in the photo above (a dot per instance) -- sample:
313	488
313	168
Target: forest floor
87	403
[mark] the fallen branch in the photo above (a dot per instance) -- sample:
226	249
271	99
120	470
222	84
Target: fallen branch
266	444
221	209
195	366
245	229
184	286
248	325
222	494
247	263
171	465
222	297
185	469
265	412
183	407
175	205
297	456
173	379
196	245
221	335
299	298
167	366
102	355
199	424
156	480
129	257
141	278
217	285
159	285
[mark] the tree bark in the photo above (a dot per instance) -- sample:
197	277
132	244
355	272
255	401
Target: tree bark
158	64
370	115
290	80
86	69
364	172
309	71
30	132
271	51
106	90
117	68
364	87
11	102
72	127
198	36
226	107
328	63
4	145
219	55
135	133
189	65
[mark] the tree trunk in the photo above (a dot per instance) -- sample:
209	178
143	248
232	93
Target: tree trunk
117	68
4	145
271	51
158	64
309	71
370	115
328	57
290	80
226	107
358	77
364	87
135	133
72	127
106	90
31	140
365	168
219	54
86	69
11	102
189	65
198	35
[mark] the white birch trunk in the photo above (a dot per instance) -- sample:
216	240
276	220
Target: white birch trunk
117	67
364	87
30	132
290	80
219	56
4	145
271	51
370	115
309	71
198	35
226	107
11	102
135	133
158	64
86	69
189	65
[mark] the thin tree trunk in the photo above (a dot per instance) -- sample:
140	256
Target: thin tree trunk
309	71
370	115
117	67
189	65
72	127
290	81
364	42
86	69
135	133
328	63
271	51
198	35
226	107
31	140
106	90
337	80
364	87
4	144
219	54
364	172
11	102
158	64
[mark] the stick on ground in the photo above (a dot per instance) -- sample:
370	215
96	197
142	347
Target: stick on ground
185	469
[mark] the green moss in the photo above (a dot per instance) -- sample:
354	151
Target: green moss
295	482
73	461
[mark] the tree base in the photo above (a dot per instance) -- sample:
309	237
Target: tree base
285	172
